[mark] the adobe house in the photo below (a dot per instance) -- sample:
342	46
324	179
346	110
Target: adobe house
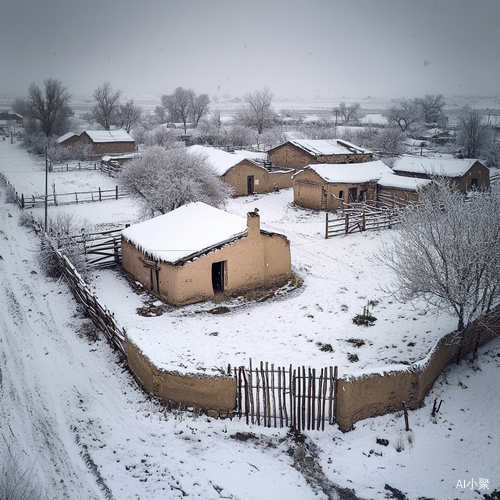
245	171
466	174
300	153
399	190
108	141
328	187
197	251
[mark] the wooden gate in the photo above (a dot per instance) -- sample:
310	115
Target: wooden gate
300	398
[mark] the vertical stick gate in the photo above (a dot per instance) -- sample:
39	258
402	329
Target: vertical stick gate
278	397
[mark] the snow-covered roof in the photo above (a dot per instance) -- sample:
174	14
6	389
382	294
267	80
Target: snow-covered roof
328	147
448	167
221	160
109	135
185	231
127	156
65	137
350	172
402	182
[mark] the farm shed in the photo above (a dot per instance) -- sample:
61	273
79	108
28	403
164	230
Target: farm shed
246	172
326	187
399	190
11	116
68	139
197	251
466	174
108	141
300	153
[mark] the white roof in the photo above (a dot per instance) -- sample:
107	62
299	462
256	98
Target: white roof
221	160
402	182
109	135
350	172
328	147
448	167
185	231
65	137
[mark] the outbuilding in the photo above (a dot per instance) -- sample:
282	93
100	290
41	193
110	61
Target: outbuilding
108	141
328	187
247	172
398	190
298	154
466	174
197	251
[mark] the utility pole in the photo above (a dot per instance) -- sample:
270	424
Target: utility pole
46	184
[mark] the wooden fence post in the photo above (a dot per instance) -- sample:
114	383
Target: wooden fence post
346	223
116	192
326	230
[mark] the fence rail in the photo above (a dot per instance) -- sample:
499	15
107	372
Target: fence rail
73	167
364	219
77	197
102	318
300	398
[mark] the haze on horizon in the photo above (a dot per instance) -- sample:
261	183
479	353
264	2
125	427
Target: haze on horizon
298	48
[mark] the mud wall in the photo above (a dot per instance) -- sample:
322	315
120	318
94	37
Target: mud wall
370	395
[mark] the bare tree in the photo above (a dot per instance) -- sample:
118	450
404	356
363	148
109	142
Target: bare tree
179	105
162	180
447	252
472	134
431	107
199	107
128	115
20	106
108	101
50	106
349	113
161	114
258	113
160	136
403	113
389	140
88	117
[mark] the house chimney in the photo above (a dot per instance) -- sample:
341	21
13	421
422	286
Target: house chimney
253	223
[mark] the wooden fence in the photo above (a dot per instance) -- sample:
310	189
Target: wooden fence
73	167
366	219
55	199
300	398
102	318
102	249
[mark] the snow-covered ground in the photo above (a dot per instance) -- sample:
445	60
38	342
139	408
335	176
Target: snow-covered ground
88	431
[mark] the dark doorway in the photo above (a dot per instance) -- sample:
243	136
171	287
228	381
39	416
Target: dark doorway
250	184
218	276
353	195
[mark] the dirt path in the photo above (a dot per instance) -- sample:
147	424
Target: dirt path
34	421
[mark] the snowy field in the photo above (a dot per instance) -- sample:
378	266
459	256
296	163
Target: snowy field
88	431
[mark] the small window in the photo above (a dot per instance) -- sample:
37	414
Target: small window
341	194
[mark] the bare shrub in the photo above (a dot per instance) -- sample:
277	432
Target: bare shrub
18	479
62	230
10	195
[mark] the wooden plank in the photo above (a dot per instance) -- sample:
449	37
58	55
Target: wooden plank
313	400
325	383
273	398
250	384
303	416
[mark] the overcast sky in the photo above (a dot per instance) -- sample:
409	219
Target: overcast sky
331	48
